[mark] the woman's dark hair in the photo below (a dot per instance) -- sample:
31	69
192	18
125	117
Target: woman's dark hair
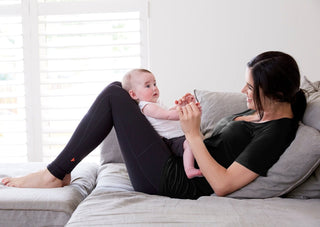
277	75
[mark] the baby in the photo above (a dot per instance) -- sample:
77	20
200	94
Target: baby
141	86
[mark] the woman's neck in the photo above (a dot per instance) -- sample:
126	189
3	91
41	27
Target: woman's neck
276	111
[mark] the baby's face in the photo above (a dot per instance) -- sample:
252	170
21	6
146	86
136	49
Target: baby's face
145	87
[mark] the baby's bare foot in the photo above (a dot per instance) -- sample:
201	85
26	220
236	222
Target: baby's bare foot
41	179
192	172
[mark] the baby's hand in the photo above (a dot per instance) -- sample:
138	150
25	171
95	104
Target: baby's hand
199	106
187	98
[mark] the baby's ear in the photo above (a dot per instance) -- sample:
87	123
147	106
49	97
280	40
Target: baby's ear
133	94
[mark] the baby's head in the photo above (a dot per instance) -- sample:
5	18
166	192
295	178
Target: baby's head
131	77
141	85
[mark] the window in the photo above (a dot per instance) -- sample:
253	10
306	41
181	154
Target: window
13	132
69	52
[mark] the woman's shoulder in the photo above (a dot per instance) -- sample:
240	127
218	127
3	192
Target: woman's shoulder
283	129
284	125
243	116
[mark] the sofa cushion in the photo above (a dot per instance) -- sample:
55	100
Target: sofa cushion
309	86
309	189
216	105
297	163
114	203
110	149
312	115
43	206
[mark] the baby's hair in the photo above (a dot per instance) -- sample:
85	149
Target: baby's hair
126	80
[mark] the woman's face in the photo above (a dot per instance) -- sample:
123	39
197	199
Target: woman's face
248	89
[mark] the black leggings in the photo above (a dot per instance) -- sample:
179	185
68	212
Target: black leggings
143	150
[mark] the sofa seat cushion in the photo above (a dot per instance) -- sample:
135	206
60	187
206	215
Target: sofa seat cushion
113	202
43	207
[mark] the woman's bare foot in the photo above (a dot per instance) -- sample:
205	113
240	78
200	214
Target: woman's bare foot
193	172
41	179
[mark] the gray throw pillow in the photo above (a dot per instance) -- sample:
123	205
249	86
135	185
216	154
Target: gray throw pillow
308	86
216	105
312	115
310	189
297	163
110	149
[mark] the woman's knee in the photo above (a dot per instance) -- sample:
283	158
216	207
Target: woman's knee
116	83
112	88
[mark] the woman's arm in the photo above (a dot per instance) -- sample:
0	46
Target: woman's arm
223	181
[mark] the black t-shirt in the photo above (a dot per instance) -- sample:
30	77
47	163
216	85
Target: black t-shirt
257	146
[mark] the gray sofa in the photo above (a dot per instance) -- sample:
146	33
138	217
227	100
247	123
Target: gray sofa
102	195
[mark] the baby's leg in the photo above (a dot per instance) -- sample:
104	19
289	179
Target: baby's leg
188	162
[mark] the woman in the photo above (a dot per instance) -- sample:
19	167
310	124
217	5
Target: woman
241	148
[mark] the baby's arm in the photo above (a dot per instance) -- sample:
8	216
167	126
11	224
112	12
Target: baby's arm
156	111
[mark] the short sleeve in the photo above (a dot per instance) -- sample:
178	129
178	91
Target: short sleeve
267	145
142	104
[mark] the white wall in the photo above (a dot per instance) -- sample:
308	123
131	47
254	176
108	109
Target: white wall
206	44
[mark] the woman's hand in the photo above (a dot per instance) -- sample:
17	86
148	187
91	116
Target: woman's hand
186	99
190	118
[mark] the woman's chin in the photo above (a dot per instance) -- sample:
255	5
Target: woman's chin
250	106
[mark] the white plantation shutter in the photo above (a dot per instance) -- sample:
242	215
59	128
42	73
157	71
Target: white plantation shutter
13	131
10	2
76	49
